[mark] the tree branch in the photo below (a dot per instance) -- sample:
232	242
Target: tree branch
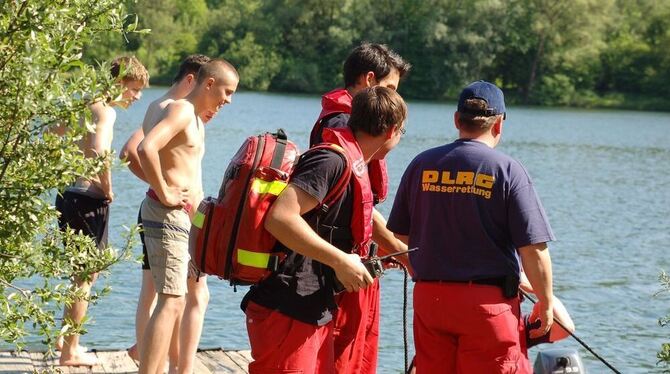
25	293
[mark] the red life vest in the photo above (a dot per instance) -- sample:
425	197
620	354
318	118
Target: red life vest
361	219
339	101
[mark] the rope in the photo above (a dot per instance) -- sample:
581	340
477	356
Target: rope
580	341
404	312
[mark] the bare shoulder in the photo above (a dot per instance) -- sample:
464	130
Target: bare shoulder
176	117
103	114
180	105
162	104
159	105
180	112
153	115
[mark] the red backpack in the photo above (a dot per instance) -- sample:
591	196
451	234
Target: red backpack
228	238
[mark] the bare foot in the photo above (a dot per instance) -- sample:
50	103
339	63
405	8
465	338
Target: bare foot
79	359
60	342
134	353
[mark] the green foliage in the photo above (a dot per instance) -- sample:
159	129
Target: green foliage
611	53
44	83
257	66
664	354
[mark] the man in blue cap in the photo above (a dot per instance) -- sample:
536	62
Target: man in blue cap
473	212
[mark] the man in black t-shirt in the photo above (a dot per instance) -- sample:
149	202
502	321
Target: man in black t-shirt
357	334
289	315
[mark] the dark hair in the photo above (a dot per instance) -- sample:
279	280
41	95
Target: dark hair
472	122
216	68
375	109
190	65
132	70
377	58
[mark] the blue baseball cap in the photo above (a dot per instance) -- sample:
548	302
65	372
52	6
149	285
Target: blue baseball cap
486	91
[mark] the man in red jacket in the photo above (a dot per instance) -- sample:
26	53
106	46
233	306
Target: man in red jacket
356	327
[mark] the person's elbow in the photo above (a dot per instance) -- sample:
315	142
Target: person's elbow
130	156
143	150
124	155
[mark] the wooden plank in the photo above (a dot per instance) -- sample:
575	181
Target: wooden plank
214	361
219	364
247	354
77	369
40	363
240	367
15	362
241	360
239	357
116	362
199	367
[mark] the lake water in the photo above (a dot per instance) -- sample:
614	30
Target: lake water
603	177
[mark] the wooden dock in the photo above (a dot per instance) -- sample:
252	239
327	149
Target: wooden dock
208	361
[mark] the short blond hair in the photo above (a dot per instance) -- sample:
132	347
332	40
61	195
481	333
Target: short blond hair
132	70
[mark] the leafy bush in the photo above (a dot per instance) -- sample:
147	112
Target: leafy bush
44	83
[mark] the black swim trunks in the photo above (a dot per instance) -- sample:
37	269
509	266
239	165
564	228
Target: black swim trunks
86	214
145	256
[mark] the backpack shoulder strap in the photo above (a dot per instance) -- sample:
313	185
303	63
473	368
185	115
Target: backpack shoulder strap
280	147
338	190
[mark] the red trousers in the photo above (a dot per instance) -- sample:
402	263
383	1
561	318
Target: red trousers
283	345
356	331
466	328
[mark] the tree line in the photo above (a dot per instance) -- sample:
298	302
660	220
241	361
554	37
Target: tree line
588	53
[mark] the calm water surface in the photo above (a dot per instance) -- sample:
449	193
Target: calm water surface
603	177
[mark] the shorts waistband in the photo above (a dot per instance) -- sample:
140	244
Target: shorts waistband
498	282
93	193
154	196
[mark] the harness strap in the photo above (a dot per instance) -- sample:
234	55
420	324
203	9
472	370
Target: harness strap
278	155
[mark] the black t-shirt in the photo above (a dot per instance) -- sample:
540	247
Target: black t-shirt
302	288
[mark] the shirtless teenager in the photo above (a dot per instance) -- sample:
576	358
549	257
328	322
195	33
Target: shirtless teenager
170	156
198	295
85	205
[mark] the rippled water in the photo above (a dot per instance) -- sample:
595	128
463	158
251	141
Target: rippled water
603	176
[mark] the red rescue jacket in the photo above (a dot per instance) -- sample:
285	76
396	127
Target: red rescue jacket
361	220
339	101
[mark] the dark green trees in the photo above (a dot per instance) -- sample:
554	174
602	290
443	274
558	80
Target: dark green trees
572	52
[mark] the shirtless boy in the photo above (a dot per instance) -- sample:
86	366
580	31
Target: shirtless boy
198	294
170	157
85	205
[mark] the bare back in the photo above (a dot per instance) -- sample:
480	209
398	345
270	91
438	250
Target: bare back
97	143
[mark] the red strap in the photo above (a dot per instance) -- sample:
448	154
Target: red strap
153	195
338	190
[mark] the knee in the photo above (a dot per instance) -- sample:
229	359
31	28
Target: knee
174	305
200	297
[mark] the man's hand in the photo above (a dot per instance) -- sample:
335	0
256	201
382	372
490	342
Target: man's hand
174	197
545	313
352	273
